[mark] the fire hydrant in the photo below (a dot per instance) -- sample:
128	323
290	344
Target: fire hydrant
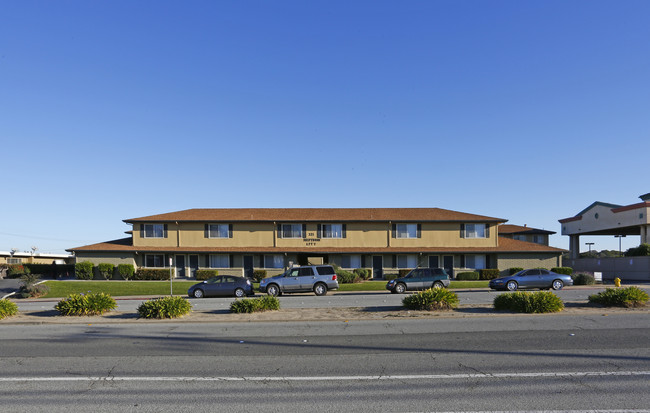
617	282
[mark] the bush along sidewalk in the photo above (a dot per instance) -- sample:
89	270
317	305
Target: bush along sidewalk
620	297
7	308
86	304
525	302
255	305
431	299
165	307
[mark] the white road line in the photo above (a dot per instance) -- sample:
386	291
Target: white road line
333	378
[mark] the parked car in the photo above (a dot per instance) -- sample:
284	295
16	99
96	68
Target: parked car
222	285
419	279
316	278
533	278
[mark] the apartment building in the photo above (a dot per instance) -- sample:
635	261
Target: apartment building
238	241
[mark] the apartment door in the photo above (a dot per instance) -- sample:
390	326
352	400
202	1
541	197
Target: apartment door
248	266
377	266
194	265
448	265
434	261
180	265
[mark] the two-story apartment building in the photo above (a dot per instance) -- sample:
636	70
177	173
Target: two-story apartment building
237	241
525	233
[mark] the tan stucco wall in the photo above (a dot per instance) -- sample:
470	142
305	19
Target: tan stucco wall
606	220
114	258
528	260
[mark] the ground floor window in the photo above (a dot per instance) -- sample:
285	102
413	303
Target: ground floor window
351	261
219	261
407	261
274	261
154	260
14	260
476	262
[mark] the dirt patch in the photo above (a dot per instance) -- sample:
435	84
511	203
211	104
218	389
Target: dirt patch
303	314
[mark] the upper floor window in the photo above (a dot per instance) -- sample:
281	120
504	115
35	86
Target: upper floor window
154	231
474	231
292	231
520	237
218	230
331	231
407	230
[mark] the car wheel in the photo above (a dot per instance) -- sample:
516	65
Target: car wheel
438	284
512	286
239	293
400	288
557	285
273	290
198	293
320	289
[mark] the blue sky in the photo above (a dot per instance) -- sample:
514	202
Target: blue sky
522	110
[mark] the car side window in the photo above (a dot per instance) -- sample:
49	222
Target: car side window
325	270
293	273
306	271
228	279
544	272
217	280
533	272
438	271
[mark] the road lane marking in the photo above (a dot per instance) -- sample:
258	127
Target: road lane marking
332	378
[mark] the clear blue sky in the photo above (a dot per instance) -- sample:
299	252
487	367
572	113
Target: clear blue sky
522	110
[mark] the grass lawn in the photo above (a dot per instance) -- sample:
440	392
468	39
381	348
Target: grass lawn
60	289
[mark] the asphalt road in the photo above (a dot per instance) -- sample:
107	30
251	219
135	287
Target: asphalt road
589	362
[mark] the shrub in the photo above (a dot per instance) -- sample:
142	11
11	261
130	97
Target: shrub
467	276
152	274
252	305
343	276
165	307
106	270
562	270
525	302
431	299
30	287
363	273
514	270
126	271
205	274
259	275
16	270
84	270
583	279
620	297
642	250
489	274
7	308
86	304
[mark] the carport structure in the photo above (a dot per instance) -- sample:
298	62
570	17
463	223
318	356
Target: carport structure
607	219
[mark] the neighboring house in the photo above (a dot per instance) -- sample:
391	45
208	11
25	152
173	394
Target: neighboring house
32	257
525	233
238	241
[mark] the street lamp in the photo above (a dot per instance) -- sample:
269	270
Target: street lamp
589	244
620	251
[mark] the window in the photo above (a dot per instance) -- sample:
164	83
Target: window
220	261
291	231
407	231
274	261
14	260
154	260
351	261
218	231
407	261
474	231
520	237
332	231
476	262
538	239
154	231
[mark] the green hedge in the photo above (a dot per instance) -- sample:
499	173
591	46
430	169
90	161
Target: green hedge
51	270
126	271
490	273
259	275
84	270
583	279
253	305
7	308
152	274
106	270
620	297
562	270
86	304
206	274
467	276
165	307
525	302
431	299
16	270
514	270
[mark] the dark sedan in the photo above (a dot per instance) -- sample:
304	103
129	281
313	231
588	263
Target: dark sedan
534	278
222	285
419	279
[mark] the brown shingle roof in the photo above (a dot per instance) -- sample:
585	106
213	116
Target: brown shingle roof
316	215
518	229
